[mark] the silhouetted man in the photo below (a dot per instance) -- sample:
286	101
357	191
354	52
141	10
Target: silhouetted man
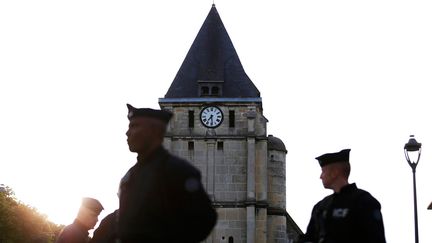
161	196
106	232
349	215
87	217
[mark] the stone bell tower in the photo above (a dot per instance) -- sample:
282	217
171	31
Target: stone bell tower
219	126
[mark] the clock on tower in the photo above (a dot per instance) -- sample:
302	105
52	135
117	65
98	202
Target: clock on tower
211	116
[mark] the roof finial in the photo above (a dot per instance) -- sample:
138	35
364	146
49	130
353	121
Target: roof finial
213	5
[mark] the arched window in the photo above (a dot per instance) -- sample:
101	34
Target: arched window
231	239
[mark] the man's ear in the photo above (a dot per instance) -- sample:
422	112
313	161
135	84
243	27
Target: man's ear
334	171
159	127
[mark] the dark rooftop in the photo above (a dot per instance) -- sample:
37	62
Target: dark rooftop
275	143
212	59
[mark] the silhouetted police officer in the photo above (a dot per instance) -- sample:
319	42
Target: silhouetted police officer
87	217
349	215
161	196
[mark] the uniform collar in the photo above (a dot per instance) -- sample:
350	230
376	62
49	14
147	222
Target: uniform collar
348	188
81	226
155	154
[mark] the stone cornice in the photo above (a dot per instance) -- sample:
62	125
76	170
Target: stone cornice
209	100
219	137
240	204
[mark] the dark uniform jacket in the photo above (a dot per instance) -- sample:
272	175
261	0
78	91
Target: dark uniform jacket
162	200
73	233
350	216
105	233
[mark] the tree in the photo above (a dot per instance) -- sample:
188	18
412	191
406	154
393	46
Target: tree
21	223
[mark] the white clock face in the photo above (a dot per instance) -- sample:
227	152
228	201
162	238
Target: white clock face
211	116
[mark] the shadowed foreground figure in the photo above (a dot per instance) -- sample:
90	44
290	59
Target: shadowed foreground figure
161	196
349	215
105	233
87	217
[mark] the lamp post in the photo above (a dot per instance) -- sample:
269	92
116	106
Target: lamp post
410	148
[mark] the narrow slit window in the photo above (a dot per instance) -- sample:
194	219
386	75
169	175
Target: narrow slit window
231	119
220	145
191	118
191	145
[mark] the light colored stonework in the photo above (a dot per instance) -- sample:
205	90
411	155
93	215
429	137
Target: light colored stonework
242	176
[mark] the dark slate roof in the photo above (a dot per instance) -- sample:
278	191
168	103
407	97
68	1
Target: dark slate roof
212	57
275	143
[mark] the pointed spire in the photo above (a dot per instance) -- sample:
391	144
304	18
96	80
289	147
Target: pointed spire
212	58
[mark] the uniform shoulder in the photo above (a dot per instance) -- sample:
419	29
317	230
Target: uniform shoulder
181	166
69	233
324	202
69	230
366	198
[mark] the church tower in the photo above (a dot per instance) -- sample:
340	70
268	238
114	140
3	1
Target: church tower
219	126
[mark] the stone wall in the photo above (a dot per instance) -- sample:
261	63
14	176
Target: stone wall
277	229
223	155
179	124
277	180
231	223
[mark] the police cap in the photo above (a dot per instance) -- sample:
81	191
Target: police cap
330	158
92	204
162	115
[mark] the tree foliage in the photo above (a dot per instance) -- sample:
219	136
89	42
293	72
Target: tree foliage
20	223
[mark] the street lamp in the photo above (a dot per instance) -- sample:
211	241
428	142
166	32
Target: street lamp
413	147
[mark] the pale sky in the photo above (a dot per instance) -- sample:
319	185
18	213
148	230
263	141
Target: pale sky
332	75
